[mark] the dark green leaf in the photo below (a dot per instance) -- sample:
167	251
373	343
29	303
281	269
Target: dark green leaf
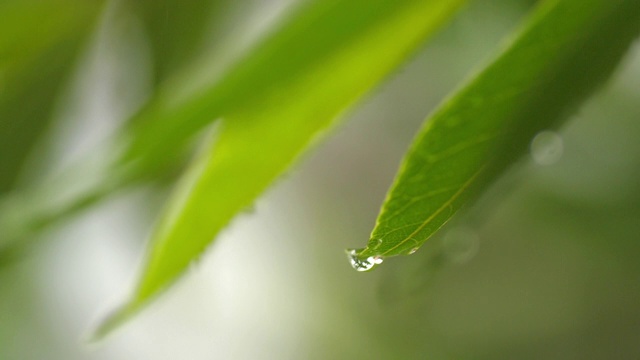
177	30
37	53
565	51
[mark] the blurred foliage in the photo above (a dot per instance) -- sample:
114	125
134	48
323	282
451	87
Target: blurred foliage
297	92
176	32
37	54
544	266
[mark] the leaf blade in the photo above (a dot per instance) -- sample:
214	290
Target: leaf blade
487	124
168	121
37	54
258	142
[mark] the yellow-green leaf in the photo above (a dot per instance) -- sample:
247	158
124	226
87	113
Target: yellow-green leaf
274	105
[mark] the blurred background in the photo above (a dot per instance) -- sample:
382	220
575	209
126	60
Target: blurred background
544	266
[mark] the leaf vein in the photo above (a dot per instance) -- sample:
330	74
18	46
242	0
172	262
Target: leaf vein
437	212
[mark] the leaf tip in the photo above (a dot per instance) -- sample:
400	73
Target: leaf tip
112	322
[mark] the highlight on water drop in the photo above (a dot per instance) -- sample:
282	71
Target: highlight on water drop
363	264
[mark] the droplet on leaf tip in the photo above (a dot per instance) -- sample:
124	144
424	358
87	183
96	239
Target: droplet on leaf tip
363	264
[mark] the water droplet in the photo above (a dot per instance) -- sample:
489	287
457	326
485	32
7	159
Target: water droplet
460	245
547	148
363	264
413	251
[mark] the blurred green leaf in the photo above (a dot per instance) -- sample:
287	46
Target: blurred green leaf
37	52
306	39
275	104
176	30
565	51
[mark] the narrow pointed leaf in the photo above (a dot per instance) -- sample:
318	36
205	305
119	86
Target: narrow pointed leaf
563	53
312	70
305	39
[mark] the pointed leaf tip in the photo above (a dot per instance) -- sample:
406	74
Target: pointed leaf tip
278	101
565	51
110	323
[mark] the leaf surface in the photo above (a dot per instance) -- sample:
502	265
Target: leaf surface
566	49
306	39
37	53
177	31
275	105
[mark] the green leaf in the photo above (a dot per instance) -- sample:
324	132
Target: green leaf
177	30
563	53
37	52
307	39
275	105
